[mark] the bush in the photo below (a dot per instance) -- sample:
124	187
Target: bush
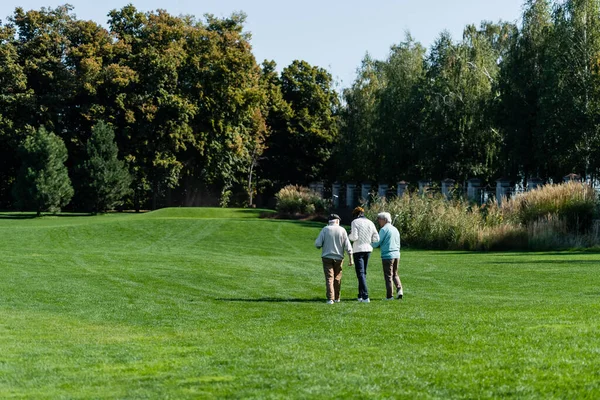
551	217
433	222
574	203
299	200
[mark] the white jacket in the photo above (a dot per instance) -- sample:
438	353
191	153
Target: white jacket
363	233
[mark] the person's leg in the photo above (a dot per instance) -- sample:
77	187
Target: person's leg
366	257
337	280
387	275
359	265
328	271
358	268
396	277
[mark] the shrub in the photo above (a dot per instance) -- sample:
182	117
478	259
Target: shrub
573	203
551	217
431	221
299	200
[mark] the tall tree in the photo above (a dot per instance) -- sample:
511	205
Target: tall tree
521	85
224	80
458	138
152	115
43	183
399	117
105	179
13	99
300	153
570	101
357	151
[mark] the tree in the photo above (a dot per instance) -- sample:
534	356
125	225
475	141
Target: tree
299	152
458	138
520	86
105	179
223	79
570	102
399	114
152	115
13	99
43	183
357	152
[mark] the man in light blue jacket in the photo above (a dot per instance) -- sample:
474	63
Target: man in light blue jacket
389	242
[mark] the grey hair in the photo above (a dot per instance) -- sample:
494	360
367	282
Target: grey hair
386	216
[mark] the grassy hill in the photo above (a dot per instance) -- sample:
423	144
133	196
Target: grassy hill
211	303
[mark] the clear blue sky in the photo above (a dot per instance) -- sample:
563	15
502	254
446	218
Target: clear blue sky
334	34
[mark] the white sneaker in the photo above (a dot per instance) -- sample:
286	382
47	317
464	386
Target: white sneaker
399	295
366	300
337	301
329	301
389	298
360	300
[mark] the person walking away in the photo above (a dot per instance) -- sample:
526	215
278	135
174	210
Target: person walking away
389	242
362	234
333	240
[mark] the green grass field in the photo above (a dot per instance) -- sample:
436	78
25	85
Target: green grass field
205	303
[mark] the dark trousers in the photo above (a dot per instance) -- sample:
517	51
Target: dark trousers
361	262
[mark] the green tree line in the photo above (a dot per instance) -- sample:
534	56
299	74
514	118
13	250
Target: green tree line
159	109
520	101
174	104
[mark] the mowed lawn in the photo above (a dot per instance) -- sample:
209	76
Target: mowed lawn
205	303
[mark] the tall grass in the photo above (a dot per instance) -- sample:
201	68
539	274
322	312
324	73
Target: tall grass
551	217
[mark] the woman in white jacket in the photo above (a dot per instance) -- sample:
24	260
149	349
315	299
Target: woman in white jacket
362	233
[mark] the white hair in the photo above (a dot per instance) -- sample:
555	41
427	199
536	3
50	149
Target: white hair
385	215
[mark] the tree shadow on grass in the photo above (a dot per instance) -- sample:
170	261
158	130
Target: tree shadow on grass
17	216
591	250
273	300
542	262
34	215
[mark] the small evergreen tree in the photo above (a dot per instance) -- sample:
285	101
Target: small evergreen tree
105	179
43	183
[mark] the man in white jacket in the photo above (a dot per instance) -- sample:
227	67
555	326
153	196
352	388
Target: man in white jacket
333	239
362	233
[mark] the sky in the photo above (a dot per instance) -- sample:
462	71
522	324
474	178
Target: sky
333	34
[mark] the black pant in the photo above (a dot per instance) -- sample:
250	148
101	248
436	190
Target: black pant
361	261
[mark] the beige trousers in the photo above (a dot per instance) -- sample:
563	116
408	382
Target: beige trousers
390	274
333	277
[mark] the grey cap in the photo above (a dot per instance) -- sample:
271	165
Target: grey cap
334	216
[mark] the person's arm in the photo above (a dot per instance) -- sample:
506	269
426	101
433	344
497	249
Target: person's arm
319	241
348	247
353	232
374	235
382	236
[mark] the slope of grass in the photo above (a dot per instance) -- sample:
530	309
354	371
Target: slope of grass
219	304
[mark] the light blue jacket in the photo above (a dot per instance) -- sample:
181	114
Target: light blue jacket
389	241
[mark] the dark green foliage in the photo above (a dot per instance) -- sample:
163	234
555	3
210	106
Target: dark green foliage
105	180
306	128
43	183
194	113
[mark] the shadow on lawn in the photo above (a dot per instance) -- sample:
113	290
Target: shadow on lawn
33	215
548	262
273	300
17	216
